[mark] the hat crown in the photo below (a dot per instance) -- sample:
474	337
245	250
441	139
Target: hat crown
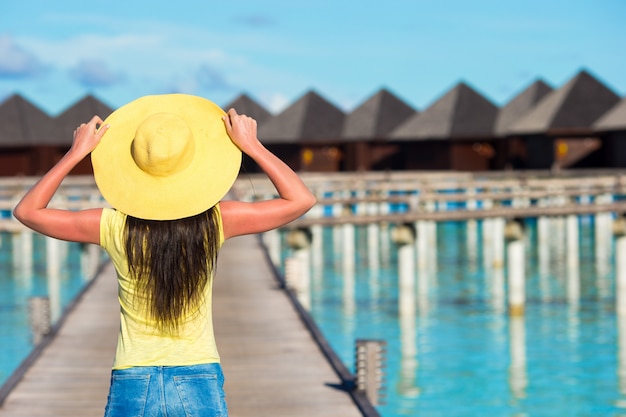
163	145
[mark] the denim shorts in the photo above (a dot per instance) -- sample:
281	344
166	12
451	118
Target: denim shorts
167	391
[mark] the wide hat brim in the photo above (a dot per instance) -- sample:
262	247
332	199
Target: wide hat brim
203	183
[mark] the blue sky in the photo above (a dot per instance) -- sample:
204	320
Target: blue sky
56	52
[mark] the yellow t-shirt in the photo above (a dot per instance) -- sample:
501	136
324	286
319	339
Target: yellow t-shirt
139	342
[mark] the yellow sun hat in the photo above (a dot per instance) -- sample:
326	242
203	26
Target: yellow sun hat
165	157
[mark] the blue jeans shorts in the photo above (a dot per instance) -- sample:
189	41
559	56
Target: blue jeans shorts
167	391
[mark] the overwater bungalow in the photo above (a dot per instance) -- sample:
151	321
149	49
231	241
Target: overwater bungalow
366	128
579	125
23	127
558	132
453	133
306	135
62	132
511	152
611	128
244	104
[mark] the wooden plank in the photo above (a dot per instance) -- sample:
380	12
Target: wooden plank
272	365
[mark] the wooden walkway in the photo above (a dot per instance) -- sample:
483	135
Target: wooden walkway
272	365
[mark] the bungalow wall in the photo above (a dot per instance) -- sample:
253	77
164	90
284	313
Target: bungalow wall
427	155
321	158
614	149
471	156
356	157
539	151
288	153
446	155
36	161
15	161
371	156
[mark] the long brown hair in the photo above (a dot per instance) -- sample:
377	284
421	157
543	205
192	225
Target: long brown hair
173	260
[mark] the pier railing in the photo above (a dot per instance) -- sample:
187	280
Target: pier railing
76	192
396	197
399	197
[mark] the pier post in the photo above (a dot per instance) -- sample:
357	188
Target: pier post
619	229
373	239
271	240
543	256
516	268
472	243
404	237
370	362
422	230
573	275
498	226
53	268
518	378
40	320
297	266
349	264
23	255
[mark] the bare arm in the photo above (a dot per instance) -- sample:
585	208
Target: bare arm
33	211
294	200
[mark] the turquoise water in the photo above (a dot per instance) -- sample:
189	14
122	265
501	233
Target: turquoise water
455	350
31	266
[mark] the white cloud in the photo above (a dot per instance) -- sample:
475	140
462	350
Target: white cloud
16	61
94	73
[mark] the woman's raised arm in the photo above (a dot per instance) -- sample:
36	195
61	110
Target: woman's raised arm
294	200
33	211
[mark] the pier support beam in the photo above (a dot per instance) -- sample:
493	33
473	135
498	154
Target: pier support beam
298	265
516	268
573	263
619	229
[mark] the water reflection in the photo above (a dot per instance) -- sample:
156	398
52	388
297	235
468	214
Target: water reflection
39	268
441	305
407	321
518	377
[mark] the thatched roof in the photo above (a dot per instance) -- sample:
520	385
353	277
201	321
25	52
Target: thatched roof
576	105
246	105
21	123
376	117
460	113
520	105
310	118
80	112
614	119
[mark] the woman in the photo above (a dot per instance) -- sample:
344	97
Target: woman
164	163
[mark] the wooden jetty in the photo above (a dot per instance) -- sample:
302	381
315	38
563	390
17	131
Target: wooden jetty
272	365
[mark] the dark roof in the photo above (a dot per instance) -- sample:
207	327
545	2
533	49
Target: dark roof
614	119
376	117
460	113
576	105
21	123
310	118
80	112
246	105
520	105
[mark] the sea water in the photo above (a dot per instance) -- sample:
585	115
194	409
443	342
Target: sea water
32	265
452	348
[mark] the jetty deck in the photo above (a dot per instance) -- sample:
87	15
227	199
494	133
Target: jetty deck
273	366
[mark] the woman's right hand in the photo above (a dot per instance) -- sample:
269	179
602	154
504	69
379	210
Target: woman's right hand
87	136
